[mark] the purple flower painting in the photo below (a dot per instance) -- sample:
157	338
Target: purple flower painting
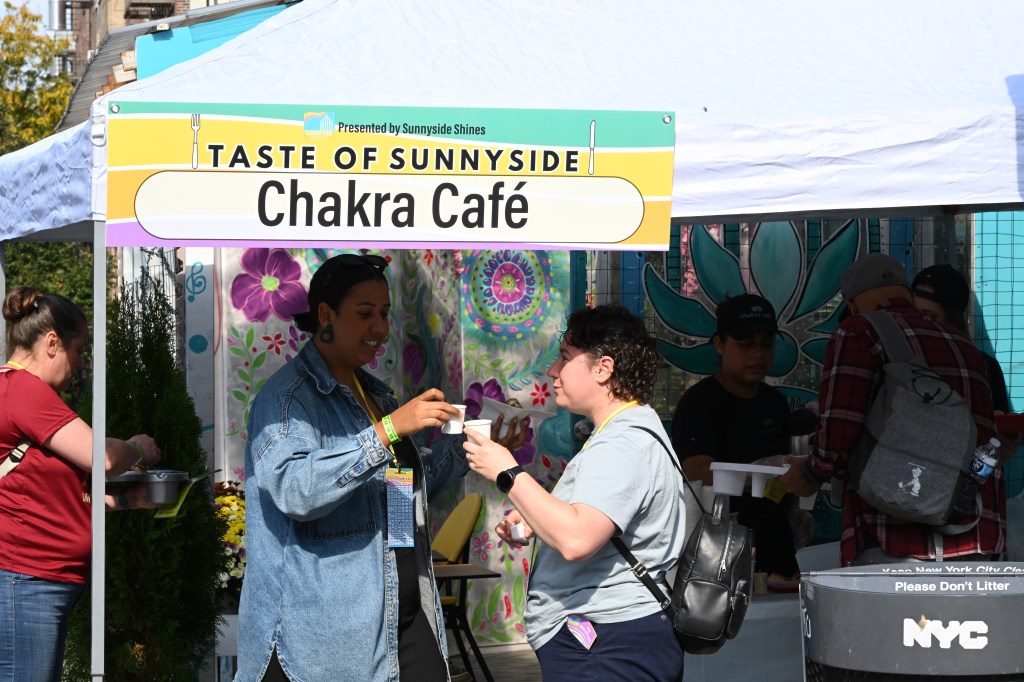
268	285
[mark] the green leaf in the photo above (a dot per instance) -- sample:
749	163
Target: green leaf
518	594
258	361
239	352
494	601
243	375
239	395
718	271
679	313
775	262
250	336
827	270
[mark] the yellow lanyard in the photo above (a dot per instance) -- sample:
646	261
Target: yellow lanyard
15	365
373	418
607	419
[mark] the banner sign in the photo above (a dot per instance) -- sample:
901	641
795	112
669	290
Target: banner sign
302	176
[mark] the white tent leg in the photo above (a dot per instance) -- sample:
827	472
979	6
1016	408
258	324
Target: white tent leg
99	433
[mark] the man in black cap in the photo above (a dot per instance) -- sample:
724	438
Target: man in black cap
941	293
850	379
734	416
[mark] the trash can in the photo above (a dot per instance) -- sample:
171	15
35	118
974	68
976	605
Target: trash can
945	621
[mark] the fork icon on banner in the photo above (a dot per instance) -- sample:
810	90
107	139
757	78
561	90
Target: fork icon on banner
195	140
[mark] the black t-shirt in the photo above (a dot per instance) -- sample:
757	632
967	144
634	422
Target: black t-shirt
710	420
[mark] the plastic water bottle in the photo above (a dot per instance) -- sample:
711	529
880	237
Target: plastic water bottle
986	458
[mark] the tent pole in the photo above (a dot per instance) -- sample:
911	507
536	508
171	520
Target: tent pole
99	422
3	288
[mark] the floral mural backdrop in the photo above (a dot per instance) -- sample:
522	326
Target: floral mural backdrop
472	323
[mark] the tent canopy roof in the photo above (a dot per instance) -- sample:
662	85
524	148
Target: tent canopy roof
796	108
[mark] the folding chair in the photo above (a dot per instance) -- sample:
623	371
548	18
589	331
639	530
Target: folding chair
451	545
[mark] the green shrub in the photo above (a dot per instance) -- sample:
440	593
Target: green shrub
161	574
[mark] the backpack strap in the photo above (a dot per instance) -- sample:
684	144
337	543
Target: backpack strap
637	566
894	341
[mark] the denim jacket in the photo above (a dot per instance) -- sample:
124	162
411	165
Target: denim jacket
321	584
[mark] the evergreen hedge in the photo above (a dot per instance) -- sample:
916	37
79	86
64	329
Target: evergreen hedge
161	574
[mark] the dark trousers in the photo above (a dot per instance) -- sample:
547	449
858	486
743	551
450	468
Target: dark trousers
641	650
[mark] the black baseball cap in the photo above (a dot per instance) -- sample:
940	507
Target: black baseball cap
743	316
949	288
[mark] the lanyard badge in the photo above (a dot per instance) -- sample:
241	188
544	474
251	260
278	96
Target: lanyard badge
400	507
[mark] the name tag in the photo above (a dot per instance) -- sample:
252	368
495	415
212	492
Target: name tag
401	519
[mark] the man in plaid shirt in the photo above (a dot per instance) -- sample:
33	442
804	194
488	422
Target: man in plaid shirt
851	377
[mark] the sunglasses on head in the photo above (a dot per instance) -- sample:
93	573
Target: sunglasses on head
374	261
378	263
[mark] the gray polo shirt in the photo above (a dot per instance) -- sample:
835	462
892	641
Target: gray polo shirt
627	475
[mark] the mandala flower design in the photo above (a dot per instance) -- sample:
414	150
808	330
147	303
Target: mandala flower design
268	285
507	293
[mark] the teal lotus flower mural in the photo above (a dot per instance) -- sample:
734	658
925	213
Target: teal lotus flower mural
798	273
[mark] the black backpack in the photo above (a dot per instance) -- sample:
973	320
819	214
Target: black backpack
713	580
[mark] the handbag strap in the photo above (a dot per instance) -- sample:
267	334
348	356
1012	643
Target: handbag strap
637	566
14	459
640	571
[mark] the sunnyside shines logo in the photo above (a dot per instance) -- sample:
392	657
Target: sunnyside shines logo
318	123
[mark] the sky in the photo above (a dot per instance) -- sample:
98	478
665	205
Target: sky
40	7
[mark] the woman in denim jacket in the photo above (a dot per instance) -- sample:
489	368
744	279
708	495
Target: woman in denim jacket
327	594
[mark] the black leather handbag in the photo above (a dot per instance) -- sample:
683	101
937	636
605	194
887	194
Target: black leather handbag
713	581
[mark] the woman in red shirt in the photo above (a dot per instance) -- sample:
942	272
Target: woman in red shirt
45	503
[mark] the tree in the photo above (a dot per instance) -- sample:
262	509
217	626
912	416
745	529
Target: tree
161	611
32	99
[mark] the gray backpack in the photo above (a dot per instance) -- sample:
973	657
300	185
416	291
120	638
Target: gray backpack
918	438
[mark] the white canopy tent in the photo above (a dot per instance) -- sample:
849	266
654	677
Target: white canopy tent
784	109
796	108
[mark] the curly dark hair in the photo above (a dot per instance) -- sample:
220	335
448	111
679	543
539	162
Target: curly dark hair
614	331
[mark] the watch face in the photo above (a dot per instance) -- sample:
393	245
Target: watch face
507	478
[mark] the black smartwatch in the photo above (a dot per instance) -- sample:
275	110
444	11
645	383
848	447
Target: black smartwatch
507	478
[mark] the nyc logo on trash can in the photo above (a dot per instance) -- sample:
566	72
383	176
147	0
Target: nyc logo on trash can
969	633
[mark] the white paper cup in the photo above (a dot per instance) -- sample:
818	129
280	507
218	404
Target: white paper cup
758	483
481	426
727	482
454	425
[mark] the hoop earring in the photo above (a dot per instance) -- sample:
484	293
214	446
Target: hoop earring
327	333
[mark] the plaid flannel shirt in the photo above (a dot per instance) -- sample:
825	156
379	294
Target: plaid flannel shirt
851	377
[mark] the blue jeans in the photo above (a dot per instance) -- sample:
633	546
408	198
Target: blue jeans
638	650
33	626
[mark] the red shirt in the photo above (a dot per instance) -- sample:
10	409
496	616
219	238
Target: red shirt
851	377
45	522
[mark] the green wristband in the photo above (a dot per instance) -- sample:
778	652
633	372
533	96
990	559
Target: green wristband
389	429
142	453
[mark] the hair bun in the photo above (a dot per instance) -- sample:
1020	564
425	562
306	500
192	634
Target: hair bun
20	302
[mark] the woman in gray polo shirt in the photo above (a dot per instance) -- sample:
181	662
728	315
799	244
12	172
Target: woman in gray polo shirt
587	616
